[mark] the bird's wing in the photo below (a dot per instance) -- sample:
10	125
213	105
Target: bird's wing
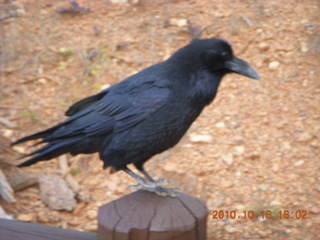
84	103
113	110
130	106
92	124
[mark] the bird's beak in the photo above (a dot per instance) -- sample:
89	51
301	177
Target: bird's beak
237	65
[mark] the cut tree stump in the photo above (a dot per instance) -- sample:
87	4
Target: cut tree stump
146	216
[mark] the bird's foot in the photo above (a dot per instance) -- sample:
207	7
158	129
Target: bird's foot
157	187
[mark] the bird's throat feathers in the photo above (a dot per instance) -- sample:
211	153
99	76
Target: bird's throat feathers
205	85
193	79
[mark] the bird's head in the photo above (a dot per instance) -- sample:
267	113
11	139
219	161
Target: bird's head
217	56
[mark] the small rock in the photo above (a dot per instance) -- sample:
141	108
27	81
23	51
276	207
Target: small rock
7	132
201	138
54	217
304	47
182	22
314	210
298	163
43	217
21	12
309	224
275	167
274	65
118	1
93	54
259	62
263	234
65	51
254	156
92	214
105	86
315	143
227	158
261	219
56	193
73	221
239	150
220	125
19	149
93	181
263	46
178	22
305	82
226	184
305	137
230	229
286	146
187	145
281	181
91	226
170	166
25	217
42	80
310	26
276	203
261	188
237	140
219	14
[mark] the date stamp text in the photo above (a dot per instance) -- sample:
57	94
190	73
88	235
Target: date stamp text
268	214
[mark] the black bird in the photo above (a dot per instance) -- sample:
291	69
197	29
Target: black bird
145	114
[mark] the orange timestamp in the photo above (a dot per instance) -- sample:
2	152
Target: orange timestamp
268	214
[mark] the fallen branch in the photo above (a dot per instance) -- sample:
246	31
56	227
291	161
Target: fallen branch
3	214
8	123
6	191
63	163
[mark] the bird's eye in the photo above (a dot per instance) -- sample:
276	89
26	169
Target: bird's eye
226	55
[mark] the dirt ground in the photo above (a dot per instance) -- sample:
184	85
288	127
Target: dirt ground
255	148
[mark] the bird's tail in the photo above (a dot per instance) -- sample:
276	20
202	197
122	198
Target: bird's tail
55	147
49	151
38	135
69	136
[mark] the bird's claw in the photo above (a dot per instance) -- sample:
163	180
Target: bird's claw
164	181
157	187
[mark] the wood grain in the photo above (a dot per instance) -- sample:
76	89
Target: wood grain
15	230
146	216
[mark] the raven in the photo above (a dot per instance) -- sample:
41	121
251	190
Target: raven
145	114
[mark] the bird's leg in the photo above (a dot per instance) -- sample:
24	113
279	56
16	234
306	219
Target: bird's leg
144	172
150	185
137	177
160	182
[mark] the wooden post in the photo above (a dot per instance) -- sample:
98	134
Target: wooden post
146	216
137	216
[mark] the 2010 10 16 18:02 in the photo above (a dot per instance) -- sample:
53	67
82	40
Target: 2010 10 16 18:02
262	214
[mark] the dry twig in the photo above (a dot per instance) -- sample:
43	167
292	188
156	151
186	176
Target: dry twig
6	191
8	123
